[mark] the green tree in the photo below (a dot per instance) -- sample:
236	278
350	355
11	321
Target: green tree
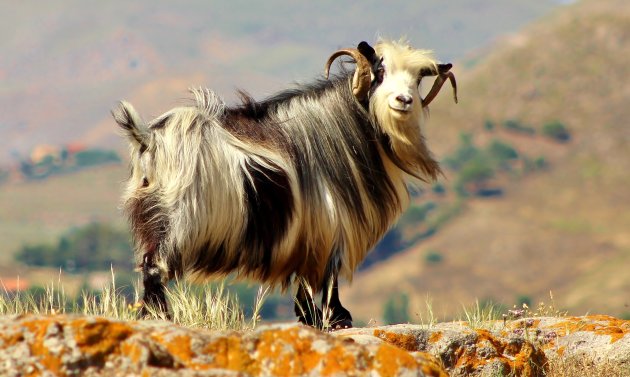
95	246
92	157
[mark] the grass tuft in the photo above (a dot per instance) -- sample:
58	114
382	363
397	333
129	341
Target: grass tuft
480	316
426	318
192	306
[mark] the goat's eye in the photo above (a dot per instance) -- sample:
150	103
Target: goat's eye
380	73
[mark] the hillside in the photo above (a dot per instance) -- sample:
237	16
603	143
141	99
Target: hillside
564	230
66	64
69	63
38	211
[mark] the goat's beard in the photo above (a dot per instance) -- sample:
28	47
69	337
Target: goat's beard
403	131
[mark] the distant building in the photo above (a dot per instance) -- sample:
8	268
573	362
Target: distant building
43	151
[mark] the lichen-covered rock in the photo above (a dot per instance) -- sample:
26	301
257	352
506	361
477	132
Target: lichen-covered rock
599	338
521	347
463	351
91	346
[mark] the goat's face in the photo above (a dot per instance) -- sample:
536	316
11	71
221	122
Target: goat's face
387	81
395	89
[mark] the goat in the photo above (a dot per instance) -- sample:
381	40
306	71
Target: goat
296	187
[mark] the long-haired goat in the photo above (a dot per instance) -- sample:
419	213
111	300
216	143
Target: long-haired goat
299	186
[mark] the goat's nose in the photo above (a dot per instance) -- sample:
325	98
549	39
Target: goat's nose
404	99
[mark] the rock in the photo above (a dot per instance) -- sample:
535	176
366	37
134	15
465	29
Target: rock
521	347
92	346
68	345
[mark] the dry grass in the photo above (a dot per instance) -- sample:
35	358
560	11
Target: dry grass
579	367
191	306
426	317
480	316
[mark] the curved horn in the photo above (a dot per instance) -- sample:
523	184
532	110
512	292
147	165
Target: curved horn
362	75
443	73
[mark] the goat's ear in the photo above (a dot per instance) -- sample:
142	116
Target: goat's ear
441	69
366	50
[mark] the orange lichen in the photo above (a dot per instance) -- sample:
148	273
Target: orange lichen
99	337
598	324
50	362
435	337
337	361
389	360
430	365
520	358
293	360
179	347
132	351
404	341
228	353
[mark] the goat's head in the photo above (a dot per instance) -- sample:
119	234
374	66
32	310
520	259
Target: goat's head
392	74
388	81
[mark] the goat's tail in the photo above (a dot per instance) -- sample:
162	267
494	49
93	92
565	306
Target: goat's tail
132	124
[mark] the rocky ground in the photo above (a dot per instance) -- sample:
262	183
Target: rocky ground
92	346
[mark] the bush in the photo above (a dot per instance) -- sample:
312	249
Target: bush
396	309
517	126
416	214
556	131
489	125
433	257
465	152
439	189
502	151
475	172
523	299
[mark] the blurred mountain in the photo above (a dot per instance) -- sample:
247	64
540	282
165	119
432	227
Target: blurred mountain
65	64
566	229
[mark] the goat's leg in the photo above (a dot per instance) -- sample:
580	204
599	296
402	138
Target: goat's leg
154	291
305	309
338	316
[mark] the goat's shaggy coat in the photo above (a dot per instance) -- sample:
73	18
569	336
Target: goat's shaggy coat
300	185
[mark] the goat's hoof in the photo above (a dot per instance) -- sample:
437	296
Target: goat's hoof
160	312
343	324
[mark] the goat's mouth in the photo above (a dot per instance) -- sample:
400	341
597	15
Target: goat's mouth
400	109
